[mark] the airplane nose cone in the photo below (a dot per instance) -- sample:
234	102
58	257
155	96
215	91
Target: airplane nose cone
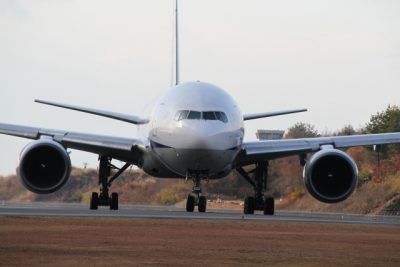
206	135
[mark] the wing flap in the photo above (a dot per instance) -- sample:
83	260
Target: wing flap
366	140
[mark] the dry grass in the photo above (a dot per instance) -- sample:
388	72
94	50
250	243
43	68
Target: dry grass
371	197
105	242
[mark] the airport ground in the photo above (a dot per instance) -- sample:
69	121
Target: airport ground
60	240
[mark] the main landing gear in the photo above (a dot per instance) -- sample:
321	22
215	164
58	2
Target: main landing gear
196	199
103	198
259	183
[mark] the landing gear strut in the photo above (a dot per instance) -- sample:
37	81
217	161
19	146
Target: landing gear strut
259	183
197	199
103	198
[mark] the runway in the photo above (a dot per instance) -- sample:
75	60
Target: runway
171	212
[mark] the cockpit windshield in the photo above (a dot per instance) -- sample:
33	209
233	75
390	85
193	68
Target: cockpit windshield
194	115
204	115
209	115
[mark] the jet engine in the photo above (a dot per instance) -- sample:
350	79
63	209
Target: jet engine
330	175
44	166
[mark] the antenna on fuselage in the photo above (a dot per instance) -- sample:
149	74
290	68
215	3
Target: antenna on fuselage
175	78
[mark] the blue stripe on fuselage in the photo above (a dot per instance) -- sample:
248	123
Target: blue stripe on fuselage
158	145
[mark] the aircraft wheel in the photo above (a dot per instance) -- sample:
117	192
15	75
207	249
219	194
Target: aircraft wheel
114	201
249	205
190	203
94	201
269	206
202	204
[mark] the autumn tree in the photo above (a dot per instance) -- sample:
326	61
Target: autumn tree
301	130
385	122
347	130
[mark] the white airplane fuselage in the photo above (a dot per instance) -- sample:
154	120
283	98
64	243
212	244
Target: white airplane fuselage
195	127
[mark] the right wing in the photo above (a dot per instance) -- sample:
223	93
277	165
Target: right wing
99	112
125	149
272	149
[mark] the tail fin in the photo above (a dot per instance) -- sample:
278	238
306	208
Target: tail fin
176	46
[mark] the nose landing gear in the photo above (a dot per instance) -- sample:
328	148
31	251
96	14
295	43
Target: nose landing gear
196	199
259	183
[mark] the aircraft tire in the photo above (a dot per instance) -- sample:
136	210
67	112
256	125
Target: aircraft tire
249	205
94	201
114	201
190	203
202	204
269	206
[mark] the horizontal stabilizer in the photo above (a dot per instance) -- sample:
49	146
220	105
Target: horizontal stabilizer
271	114
108	114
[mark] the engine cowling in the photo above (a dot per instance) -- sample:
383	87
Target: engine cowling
330	175
44	167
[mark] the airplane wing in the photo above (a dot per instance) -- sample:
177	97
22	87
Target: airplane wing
99	112
271	114
272	149
125	149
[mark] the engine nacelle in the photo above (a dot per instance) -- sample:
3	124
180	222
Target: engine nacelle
44	166
330	175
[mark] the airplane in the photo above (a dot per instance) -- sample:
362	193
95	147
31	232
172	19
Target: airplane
196	132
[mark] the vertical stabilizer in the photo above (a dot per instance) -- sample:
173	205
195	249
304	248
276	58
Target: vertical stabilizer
176	45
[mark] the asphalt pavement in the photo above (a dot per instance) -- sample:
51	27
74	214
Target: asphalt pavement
172	212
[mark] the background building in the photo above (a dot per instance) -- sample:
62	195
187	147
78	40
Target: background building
269	134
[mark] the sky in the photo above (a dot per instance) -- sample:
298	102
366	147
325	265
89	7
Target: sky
340	59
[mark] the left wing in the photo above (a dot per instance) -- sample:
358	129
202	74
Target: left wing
271	149
125	149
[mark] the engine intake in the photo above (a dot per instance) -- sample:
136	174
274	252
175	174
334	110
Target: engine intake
44	166
330	175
